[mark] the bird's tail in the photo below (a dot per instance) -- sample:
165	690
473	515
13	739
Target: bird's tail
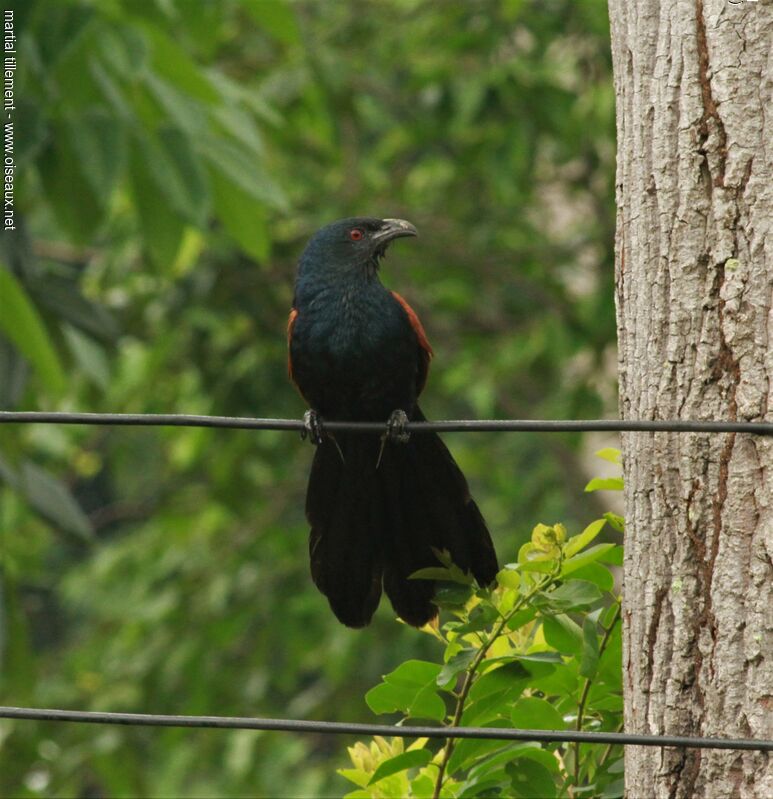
377	515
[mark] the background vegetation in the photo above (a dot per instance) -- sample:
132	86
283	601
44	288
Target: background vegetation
172	159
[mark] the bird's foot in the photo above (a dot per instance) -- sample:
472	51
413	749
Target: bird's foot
312	427
395	428
395	432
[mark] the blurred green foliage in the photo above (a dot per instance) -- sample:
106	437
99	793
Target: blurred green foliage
172	158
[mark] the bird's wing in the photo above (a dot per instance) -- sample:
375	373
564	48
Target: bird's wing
425	350
290	322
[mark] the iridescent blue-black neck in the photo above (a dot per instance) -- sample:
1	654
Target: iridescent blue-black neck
334	263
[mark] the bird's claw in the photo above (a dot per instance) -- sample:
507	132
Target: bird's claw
312	427
395	428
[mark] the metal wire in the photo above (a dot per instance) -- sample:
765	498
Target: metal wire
329	727
450	426
345	728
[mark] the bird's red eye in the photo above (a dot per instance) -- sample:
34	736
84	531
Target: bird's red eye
355	234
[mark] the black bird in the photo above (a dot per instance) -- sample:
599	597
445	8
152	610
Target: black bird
377	505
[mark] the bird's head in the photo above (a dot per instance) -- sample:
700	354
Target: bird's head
352	244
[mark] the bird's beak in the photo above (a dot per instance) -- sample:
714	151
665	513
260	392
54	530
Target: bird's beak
393	229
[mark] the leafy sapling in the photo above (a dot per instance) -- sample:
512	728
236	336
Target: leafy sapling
541	650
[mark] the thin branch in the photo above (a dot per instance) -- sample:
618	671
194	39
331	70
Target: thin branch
471	670
586	691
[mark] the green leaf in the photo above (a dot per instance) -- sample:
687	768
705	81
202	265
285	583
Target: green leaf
63	297
548	538
415	758
486	767
563	634
275	17
14	373
490	785
492	709
469	750
597	574
172	166
172	62
423	786
89	356
590	649
180	109
233	121
613	556
99	143
410	689
562	680
413	673
528	658
584	558
452	595
615	521
529	553
571	595
530	780
491	703
240	166
578	542
544	756
50	497
502	678
609	454
509	578
455	666
60	30
123	49
356	776
162	228
615	790
600	699
610	664
62	179
469	753
112	96
480	618
242	216
72	73
386	698
605	484
30	132
23	327
439	573
611	614
533	713
521	618
543	566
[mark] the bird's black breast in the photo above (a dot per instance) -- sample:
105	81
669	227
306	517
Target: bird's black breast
355	356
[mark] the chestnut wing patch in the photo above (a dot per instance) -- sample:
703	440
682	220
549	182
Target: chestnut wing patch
290	322
425	350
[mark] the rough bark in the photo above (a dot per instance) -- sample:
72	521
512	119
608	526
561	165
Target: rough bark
694	278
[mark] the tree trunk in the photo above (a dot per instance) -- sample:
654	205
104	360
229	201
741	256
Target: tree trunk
694	277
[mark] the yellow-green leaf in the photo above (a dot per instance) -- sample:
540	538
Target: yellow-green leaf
578	542
605	484
415	758
609	454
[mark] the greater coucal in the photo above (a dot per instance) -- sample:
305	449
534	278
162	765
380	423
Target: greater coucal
377	505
